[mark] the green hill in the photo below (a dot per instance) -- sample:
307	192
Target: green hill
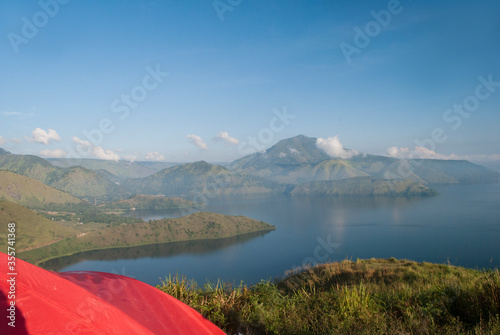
31	193
77	181
196	226
85	183
32	229
201	179
362	186
140	201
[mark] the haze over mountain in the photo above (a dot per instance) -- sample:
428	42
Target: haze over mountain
201	178
75	180
299	159
277	170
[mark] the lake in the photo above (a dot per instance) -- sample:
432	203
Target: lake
461	226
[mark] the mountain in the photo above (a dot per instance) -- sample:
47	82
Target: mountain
362	186
115	170
298	160
85	183
201	179
77	181
30	166
31	193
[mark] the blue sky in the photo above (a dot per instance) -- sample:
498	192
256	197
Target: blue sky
205	77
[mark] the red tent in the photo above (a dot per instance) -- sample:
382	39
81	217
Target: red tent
86	302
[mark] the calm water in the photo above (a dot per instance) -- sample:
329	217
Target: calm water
461	225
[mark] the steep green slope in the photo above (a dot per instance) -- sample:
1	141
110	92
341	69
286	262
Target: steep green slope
30	166
85	183
32	229
362	186
77	181
29	192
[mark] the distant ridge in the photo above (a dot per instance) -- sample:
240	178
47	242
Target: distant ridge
77	181
298	160
201	179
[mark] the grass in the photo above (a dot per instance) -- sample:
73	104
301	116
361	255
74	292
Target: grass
197	226
374	296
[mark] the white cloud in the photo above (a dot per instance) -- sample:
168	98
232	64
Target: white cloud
2	140
333	148
398	152
105	154
56	153
197	141
85	145
293	151
282	155
130	158
223	136
154	157
41	136
96	151
418	152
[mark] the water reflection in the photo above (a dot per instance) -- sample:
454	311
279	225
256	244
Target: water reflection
151	251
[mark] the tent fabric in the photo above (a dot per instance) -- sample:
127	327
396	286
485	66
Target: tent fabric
86	302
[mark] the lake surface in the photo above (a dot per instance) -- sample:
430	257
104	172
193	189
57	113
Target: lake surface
460	226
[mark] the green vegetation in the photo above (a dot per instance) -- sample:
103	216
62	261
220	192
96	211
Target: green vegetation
364	297
196	226
119	170
77	181
32	230
201	179
149	202
363	186
31	193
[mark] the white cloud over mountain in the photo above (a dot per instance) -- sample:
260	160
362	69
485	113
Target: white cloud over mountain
223	136
333	148
154	157
94	150
418	152
197	141
56	153
41	136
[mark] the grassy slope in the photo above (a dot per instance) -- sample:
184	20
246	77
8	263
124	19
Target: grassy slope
192	227
365	297
140	201
29	192
31	229
84	183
